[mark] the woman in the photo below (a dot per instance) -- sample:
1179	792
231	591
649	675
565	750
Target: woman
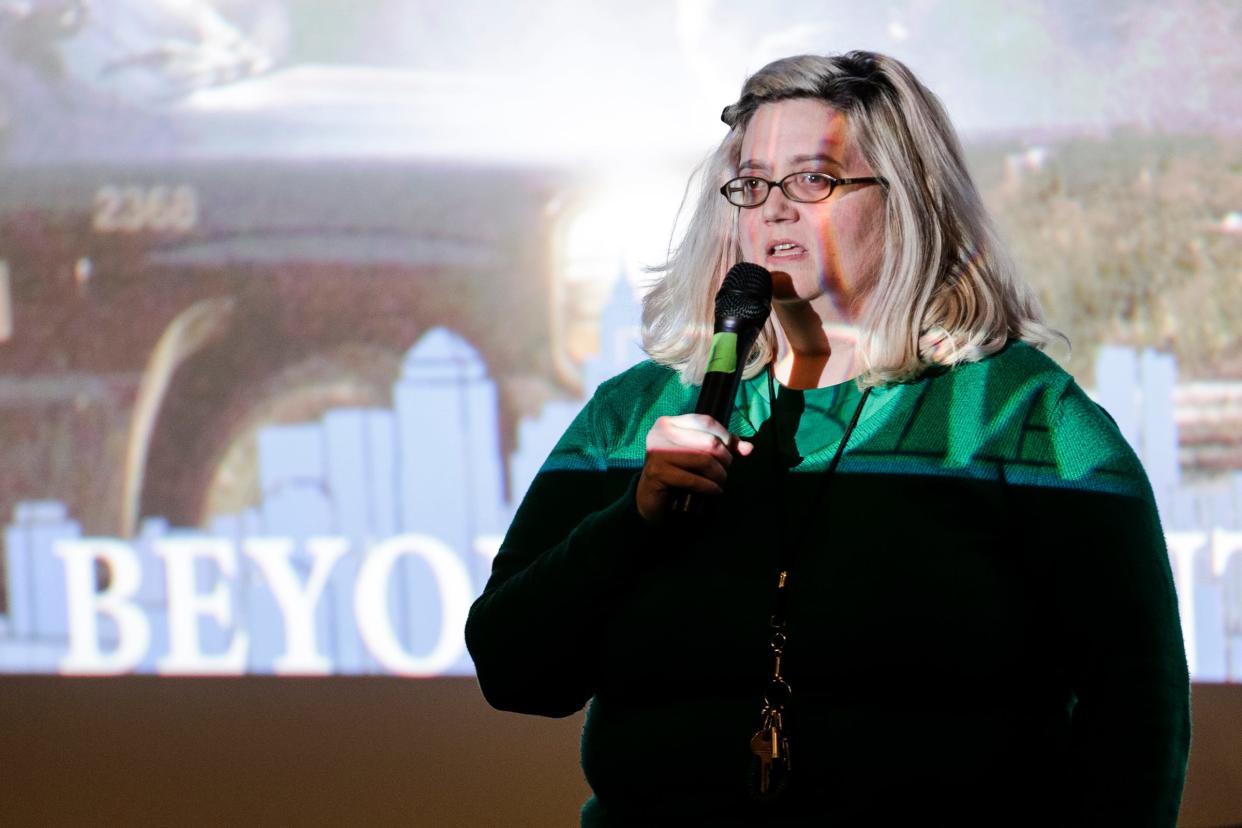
932	584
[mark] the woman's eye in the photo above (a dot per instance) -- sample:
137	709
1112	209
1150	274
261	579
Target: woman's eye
752	184
815	181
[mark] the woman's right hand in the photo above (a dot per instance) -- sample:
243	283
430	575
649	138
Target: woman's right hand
689	452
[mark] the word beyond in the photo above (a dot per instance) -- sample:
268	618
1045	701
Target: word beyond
296	596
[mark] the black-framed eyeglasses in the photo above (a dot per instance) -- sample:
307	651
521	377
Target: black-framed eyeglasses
804	187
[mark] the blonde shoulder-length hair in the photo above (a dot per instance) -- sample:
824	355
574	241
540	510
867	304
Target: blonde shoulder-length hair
946	291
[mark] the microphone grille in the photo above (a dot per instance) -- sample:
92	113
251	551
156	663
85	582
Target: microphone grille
745	293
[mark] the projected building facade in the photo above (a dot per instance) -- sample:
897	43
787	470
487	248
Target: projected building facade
375	531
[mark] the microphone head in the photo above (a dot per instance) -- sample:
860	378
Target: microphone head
745	294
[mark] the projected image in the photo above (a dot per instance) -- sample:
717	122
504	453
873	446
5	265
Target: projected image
296	298
224	322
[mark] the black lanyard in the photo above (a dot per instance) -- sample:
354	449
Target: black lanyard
788	546
770	743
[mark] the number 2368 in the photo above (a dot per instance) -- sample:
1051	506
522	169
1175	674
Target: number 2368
133	209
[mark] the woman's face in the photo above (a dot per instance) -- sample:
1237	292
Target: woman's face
831	248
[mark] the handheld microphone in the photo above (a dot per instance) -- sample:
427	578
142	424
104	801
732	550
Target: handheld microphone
742	307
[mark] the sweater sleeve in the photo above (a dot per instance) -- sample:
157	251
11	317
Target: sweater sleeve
574	544
1118	619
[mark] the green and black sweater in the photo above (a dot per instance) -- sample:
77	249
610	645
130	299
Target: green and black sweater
982	627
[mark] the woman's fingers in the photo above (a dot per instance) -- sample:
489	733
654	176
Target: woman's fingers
671	466
691	432
675	478
690	452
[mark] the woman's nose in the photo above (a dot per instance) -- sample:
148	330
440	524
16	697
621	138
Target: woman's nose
778	207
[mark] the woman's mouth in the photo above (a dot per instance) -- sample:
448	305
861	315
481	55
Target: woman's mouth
785	251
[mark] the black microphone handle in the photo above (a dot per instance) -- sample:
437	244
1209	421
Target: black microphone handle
716	399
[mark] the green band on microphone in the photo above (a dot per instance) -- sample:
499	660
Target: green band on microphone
723	358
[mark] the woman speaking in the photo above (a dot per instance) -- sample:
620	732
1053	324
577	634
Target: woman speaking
928	583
